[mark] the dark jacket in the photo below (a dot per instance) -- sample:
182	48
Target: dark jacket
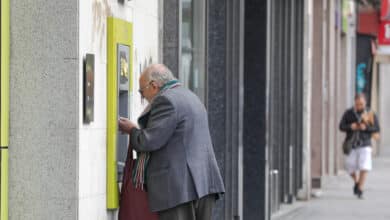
182	165
350	117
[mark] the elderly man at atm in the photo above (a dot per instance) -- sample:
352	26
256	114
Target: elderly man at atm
182	176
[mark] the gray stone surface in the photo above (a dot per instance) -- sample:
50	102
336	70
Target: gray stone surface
338	203
254	132
44	110
216	89
171	33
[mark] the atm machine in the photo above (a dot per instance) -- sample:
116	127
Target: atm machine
123	104
119	90
4	109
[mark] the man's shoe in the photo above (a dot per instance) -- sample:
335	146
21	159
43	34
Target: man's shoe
356	189
360	194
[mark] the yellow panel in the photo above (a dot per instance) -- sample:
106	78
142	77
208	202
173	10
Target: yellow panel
118	32
4	72
4	184
4	106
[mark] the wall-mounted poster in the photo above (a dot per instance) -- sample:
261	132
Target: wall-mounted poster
89	75
364	60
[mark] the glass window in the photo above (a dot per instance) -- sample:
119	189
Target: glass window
193	46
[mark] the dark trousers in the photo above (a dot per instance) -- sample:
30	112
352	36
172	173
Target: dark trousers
201	209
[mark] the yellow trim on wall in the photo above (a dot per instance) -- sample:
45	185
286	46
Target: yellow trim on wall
4	184
118	32
4	107
4	72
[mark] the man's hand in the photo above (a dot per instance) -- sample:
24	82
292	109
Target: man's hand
125	125
363	127
354	126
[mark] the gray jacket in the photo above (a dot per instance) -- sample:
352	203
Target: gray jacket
182	166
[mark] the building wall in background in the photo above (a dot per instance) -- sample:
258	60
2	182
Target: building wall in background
330	96
379	96
254	96
58	163
384	103
332	78
317	81
92	137
368	21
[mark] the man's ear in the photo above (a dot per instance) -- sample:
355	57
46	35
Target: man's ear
154	84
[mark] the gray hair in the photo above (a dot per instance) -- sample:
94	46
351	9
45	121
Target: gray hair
160	74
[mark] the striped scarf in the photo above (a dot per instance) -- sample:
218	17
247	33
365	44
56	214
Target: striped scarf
141	163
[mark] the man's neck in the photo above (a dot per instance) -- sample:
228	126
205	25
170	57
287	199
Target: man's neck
359	112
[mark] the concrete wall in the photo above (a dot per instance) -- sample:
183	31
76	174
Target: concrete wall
317	92
92	137
57	163
384	103
309	22
44	110
333	87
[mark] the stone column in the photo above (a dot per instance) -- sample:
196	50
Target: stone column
44	105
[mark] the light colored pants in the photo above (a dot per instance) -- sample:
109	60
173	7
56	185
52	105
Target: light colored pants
201	209
359	159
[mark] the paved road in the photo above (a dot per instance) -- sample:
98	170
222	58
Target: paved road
338	202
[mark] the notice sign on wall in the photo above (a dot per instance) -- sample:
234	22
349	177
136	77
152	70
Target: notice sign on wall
89	75
385	10
384	33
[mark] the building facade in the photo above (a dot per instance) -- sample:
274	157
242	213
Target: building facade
59	163
278	76
274	75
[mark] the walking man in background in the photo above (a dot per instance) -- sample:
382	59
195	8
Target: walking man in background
363	124
183	179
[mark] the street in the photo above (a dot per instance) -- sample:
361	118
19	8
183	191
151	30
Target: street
338	202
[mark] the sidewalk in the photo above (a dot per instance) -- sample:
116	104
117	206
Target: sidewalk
338	202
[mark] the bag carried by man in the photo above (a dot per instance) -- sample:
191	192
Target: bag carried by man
134	203
349	143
